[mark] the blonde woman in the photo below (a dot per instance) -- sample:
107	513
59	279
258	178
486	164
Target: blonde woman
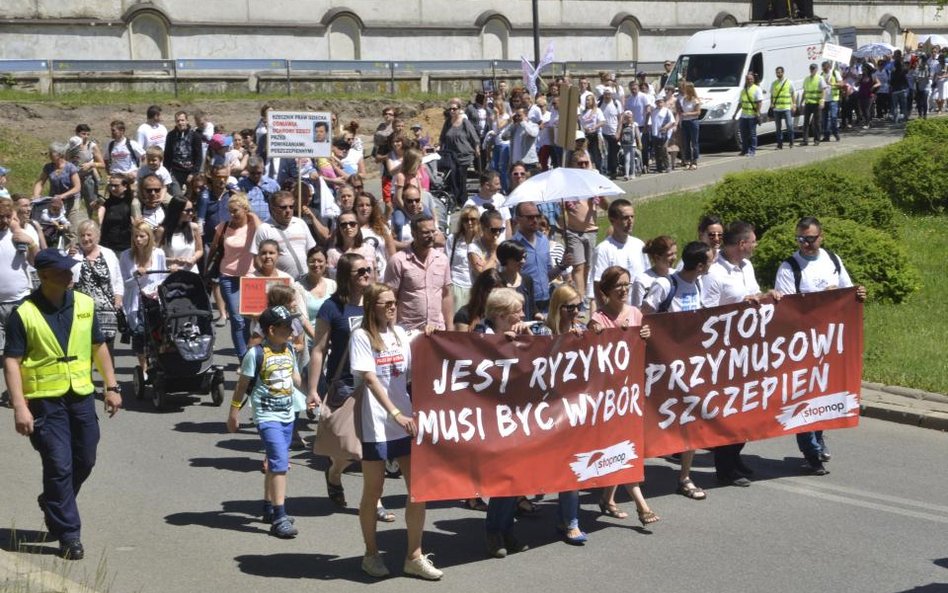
380	359
135	264
690	110
465	233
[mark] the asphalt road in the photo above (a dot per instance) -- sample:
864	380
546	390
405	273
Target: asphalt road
171	508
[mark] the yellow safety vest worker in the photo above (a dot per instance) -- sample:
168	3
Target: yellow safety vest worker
46	370
831	79
748	103
812	94
781	99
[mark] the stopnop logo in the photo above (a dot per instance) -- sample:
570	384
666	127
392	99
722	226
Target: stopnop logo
819	409
602	462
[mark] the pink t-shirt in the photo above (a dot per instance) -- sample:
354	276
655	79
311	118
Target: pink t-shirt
628	312
237	259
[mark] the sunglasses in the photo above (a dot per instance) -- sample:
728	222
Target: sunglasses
453	108
531	216
716	235
497	231
582	163
188	210
363	271
348	224
471	219
152	190
386	304
412	200
808	240
570	308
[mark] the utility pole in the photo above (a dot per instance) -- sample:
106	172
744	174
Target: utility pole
536	34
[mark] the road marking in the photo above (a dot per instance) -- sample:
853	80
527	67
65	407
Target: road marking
845	496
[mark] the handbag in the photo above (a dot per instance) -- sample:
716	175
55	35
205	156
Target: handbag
213	269
770	110
338	431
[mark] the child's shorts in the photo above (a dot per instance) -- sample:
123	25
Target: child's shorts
276	437
386	450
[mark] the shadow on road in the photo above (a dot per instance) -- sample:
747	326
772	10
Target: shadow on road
234	464
28	541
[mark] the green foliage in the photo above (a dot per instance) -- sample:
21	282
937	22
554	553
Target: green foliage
911	173
933	128
769	198
871	257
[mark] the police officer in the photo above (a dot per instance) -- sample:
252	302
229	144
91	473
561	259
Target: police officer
52	340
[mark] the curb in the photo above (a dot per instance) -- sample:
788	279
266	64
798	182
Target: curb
891	413
16	572
916	394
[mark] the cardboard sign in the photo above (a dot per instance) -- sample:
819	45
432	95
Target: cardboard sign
299	134
253	293
497	417
746	372
837	53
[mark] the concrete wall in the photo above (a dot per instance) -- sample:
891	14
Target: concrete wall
402	30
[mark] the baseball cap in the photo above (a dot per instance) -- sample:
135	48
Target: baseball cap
4	171
640	73
279	315
216	142
813	66
51	258
416	126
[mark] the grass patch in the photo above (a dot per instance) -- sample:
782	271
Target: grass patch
903	342
24	155
676	215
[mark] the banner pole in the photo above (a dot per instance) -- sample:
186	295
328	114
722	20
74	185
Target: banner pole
299	190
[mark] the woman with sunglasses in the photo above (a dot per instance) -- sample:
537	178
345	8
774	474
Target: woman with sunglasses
179	237
467	231
662	251
380	360
116	214
564	319
459	148
615	312
338	316
482	254
347	238
510	258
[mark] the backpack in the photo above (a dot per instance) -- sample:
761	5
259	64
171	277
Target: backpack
667	301
798	272
258	366
627	136
131	151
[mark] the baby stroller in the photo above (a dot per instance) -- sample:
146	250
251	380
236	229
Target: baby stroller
179	342
55	237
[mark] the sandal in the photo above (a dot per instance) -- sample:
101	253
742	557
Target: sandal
475	504
688	489
648	517
337	494
384	515
526	507
611	510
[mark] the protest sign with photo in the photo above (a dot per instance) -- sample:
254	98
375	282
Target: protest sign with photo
751	371
500	417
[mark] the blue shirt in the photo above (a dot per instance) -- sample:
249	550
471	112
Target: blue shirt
213	211
536	264
59	320
259	195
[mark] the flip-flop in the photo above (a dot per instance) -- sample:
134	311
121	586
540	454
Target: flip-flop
383	515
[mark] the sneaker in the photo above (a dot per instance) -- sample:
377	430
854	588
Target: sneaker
373	566
825	456
815	467
495	546
268	518
422	568
71	550
283	528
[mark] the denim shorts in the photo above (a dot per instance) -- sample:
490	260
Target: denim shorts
276	437
386	450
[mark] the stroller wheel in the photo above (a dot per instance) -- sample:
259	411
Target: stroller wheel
158	396
139	383
217	390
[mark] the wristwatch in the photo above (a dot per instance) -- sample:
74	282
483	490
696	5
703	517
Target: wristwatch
115	389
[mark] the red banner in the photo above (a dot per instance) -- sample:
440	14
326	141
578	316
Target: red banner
747	372
539	415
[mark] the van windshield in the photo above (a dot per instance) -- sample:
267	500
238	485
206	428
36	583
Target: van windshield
710	70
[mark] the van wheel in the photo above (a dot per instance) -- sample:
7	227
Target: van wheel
735	143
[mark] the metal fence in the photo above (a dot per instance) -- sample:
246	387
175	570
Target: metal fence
187	68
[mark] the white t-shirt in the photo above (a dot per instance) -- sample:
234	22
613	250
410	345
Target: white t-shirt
15	283
120	158
154	216
152	135
641	285
815	275
496	200
162	173
727	283
460	264
687	295
391	366
628	255
298	238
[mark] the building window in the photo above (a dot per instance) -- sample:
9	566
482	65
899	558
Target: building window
627	41
345	38
149	37
494	38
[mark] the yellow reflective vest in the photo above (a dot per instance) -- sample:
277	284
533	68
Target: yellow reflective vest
46	370
781	95
748	103
812	94
833	78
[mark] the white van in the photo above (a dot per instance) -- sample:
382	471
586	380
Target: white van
716	62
